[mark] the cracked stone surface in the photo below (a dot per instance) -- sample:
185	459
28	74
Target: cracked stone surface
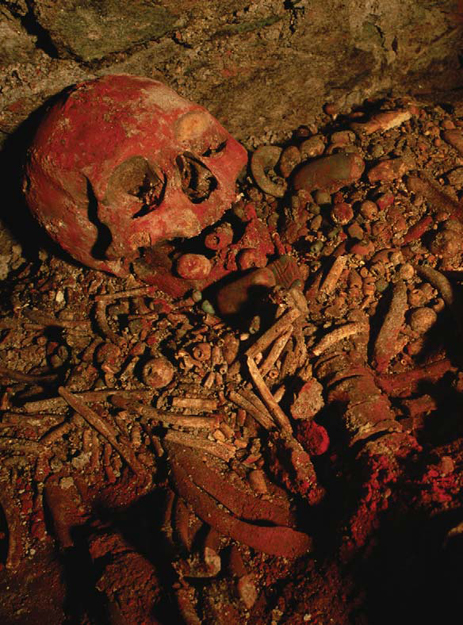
254	65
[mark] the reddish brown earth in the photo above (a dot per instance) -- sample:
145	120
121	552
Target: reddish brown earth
282	447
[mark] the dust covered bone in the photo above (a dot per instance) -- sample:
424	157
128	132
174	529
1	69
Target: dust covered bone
122	163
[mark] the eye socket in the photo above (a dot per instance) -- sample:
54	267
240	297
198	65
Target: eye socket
198	182
136	177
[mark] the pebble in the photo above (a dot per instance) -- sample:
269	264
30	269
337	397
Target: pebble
446	243
387	171
247	590
322	198
308	401
314	146
446	465
381	285
66	483
454	138
385	200
316	247
362	248
193	267
342	213
158	372
385	120
455	177
331	109
329	173
377	150
342	138
396	258
368	210
406	271
355	231
207	307
422	319
290	158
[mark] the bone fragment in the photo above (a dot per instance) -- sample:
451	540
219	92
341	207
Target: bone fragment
408	382
261	416
55	434
275	352
26	377
58	404
197	404
103	324
278	328
120	444
438	281
236	499
224	451
166	418
277	413
386	345
339	334
274	540
181	522
23	446
44	319
209	380
264	158
332	277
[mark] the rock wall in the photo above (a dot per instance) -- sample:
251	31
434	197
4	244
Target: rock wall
261	67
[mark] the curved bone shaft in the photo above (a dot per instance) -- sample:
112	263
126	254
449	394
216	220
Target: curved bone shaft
16	527
264	159
406	383
386	345
339	334
276	541
239	502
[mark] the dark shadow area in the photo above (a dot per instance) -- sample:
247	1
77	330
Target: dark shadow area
104	236
444	425
3	537
141	527
43	39
113	535
413	575
15	214
82	597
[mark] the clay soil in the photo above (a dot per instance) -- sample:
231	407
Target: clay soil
297	461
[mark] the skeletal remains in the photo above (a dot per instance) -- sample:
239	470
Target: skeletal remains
124	173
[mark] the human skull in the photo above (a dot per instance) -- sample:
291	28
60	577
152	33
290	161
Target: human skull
122	163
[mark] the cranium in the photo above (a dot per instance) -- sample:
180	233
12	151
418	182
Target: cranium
122	163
